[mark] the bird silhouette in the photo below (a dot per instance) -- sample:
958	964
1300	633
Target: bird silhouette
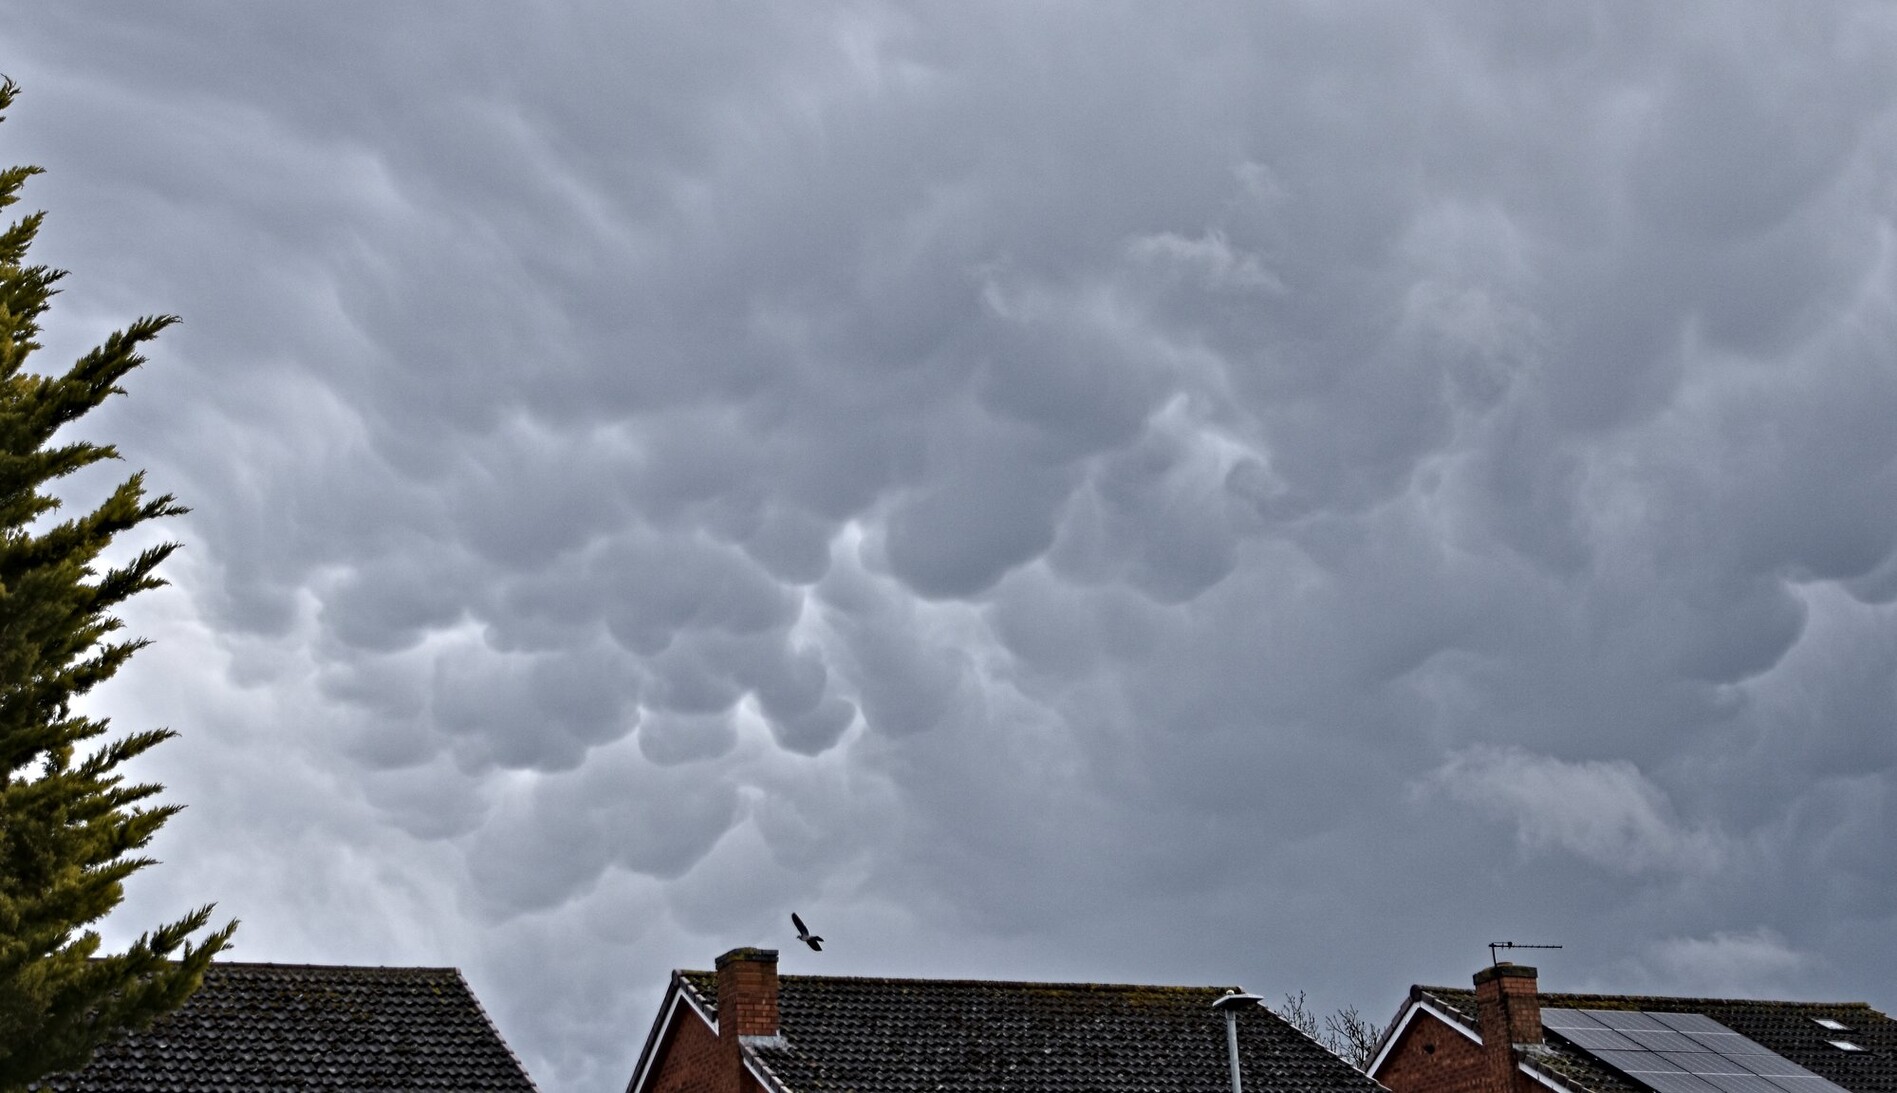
804	935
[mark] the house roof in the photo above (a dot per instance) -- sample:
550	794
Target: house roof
307	1027
1788	1028
915	1035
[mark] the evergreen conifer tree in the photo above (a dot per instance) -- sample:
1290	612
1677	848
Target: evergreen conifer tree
70	825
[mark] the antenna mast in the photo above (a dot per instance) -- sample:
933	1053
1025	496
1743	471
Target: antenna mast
1494	945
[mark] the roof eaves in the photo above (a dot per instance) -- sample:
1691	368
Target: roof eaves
1557	1082
760	1069
1418	1002
678	994
475	999
1454	999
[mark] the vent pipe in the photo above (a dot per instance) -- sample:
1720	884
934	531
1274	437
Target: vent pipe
1229	1004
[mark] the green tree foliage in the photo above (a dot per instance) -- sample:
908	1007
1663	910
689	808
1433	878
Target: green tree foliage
70	825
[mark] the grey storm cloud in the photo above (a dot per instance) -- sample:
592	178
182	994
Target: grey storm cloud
1356	480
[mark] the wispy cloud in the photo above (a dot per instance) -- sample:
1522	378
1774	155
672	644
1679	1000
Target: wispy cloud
1607	813
1737	964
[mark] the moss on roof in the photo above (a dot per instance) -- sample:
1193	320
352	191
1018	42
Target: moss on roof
872	1035
311	1027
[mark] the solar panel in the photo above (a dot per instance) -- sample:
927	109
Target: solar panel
1672	1081
1681	1052
1663	1040
1597	1037
1632	1061
1742	1083
1703	1062
1558	1017
1772	1066
1627	1019
1728	1043
1810	1083
1690	1022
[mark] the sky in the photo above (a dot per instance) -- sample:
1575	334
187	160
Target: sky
1277	494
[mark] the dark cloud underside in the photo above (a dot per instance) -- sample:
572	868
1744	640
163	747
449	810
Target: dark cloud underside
1280	495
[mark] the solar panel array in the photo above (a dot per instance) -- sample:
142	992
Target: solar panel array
1682	1052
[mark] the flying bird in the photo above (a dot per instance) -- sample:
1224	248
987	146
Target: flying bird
804	935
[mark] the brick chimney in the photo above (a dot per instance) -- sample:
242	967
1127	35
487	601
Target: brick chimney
747	993
1508	1013
747	1010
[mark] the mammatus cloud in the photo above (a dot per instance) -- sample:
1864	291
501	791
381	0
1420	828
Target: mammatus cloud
1000	478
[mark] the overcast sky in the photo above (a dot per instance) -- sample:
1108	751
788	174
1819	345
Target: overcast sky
1277	494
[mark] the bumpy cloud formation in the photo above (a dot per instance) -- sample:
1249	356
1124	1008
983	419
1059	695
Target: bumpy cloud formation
1004	478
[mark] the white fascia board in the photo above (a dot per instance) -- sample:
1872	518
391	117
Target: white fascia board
1421	1005
763	1074
691	1000
647	1058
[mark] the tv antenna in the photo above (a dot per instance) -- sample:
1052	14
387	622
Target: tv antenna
1494	945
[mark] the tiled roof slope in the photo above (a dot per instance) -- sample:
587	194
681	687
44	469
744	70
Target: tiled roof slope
304	1027
1788	1028
947	1036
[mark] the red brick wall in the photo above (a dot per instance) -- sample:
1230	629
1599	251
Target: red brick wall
694	1060
1431	1057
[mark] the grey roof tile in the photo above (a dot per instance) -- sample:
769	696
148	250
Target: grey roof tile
311	1027
960	1036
